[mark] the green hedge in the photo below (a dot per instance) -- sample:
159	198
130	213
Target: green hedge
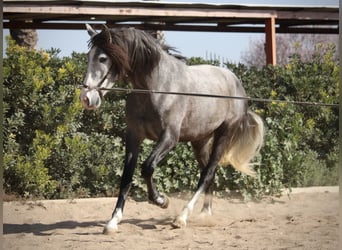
53	148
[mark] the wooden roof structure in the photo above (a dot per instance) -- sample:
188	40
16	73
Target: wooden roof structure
171	16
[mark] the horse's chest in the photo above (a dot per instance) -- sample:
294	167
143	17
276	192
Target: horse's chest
143	118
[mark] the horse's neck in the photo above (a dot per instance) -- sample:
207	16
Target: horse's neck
167	65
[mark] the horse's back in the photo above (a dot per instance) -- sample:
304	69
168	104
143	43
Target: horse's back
211	79
215	80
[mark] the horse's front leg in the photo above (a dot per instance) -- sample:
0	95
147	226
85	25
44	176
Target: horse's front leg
132	150
166	143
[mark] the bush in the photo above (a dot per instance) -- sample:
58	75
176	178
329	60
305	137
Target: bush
53	148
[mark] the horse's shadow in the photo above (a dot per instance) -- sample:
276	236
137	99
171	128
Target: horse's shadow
148	224
41	229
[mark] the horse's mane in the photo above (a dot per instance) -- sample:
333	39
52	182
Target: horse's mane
133	52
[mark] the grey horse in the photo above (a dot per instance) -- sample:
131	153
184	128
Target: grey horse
221	131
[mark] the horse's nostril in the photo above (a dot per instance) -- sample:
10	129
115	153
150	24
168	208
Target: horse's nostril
85	100
90	99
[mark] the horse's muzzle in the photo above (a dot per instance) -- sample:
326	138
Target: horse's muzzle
90	99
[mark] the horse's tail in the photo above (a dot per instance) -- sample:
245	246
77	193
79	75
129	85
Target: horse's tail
245	142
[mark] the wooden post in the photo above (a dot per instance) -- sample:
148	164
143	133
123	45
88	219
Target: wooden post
270	41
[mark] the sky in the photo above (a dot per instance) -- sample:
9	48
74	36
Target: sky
228	46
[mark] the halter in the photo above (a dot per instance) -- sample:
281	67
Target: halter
98	86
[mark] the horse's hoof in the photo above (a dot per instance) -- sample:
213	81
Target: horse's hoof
205	213
162	201
166	202
179	222
110	230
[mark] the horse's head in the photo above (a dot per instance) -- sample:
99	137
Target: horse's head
115	55
101	73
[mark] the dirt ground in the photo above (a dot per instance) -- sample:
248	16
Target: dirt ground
307	219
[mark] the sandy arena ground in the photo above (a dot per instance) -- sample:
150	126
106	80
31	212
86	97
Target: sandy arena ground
307	219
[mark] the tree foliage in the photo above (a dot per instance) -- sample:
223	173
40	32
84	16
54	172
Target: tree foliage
53	148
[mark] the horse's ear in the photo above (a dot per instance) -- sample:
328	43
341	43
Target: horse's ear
107	33
90	30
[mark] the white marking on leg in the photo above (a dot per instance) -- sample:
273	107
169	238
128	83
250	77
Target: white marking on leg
112	225
187	210
160	200
193	200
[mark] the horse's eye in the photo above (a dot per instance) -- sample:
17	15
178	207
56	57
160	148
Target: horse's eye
103	59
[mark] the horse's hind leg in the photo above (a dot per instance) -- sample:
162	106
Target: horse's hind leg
206	178
202	150
208	200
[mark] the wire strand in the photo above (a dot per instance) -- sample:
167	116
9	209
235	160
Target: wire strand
253	99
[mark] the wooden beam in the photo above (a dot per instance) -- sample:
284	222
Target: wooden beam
61	14
18	8
169	27
270	32
142	25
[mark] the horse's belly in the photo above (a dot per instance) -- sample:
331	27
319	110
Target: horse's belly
202	125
